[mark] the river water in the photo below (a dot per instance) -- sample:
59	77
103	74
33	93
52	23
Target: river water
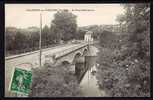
89	83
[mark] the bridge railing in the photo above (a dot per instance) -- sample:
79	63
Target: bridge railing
52	58
66	51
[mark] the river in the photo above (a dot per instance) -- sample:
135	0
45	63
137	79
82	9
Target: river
89	83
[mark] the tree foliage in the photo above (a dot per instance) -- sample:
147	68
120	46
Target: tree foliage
107	39
125	70
21	40
47	36
64	25
80	34
120	18
96	29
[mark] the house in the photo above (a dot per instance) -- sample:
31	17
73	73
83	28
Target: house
88	36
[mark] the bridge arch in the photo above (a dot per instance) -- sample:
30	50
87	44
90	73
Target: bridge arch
65	63
85	52
76	57
79	65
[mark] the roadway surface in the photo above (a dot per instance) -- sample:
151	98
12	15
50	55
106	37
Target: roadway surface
30	57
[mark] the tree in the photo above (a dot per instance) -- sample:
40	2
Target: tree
34	40
139	26
10	33
64	25
19	41
121	19
45	35
107	39
96	29
138	22
80	34
127	71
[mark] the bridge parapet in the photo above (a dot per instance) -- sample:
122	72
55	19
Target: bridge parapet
66	51
52	58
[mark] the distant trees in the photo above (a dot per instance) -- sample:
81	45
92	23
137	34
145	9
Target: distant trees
80	34
46	36
63	27
97	30
9	37
34	40
20	40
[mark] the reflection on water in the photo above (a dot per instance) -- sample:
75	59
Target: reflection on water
80	70
88	83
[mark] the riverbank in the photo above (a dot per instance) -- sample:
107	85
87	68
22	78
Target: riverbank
119	74
51	81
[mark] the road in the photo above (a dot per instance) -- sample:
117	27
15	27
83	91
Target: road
32	57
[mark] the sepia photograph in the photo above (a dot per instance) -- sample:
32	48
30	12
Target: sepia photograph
77	50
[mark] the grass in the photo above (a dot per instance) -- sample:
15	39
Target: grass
54	81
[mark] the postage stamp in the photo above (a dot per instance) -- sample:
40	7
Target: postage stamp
21	81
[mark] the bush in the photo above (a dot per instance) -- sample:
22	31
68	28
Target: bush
54	81
122	72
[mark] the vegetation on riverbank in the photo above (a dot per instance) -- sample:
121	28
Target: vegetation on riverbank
50	81
125	59
120	74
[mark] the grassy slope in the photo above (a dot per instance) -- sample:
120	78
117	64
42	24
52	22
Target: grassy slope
54	82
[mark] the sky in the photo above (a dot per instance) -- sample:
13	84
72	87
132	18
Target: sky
22	16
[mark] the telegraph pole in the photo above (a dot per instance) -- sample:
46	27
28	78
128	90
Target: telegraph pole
40	33
40	39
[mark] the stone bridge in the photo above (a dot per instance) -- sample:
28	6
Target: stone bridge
75	57
71	55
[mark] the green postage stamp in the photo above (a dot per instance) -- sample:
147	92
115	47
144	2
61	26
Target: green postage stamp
21	81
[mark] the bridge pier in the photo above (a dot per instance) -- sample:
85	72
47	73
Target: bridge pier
80	60
74	57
